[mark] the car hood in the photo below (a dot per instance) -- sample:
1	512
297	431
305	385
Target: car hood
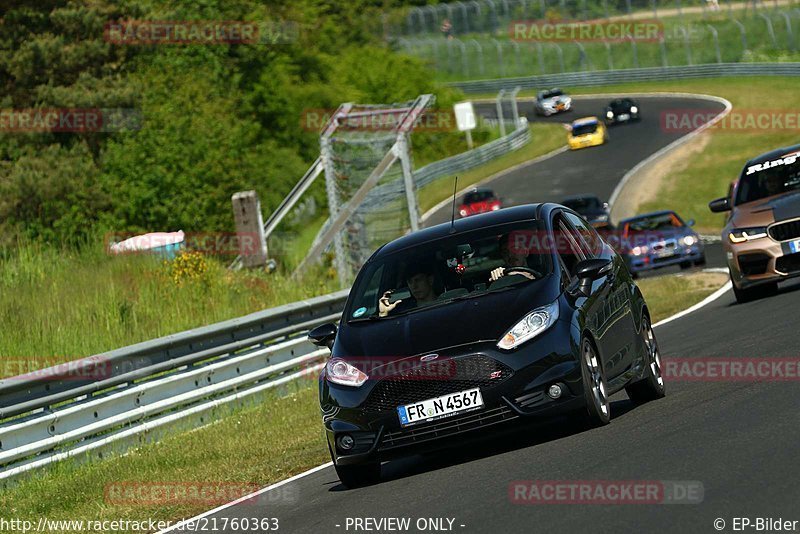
767	210
554	100
483	318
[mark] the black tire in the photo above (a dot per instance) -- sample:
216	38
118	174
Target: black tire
753	293
356	476
686	265
595	388
651	386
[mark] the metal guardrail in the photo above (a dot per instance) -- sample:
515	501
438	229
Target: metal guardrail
611	77
118	397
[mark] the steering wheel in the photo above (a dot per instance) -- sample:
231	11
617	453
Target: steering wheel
512	270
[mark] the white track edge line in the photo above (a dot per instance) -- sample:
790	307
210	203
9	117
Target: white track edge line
705	302
186	522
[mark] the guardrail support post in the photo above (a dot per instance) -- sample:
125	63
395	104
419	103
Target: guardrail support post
609	57
515	106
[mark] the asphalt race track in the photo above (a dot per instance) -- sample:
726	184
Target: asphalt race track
738	439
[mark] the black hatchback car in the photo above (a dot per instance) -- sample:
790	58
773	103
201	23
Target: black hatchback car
522	312
622	110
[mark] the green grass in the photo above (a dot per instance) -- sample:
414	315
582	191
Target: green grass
544	138
252	447
59	305
667	295
281	437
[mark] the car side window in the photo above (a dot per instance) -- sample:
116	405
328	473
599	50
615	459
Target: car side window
590	240
567	244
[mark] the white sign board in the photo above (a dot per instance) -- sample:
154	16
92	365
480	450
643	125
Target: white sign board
465	116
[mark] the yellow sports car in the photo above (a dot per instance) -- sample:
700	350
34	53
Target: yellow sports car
588	131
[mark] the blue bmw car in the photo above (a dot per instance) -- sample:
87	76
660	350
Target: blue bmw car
659	239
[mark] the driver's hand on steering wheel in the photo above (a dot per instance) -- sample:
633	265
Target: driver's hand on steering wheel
500	272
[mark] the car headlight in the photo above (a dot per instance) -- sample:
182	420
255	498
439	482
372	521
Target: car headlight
567	100
740	235
634	109
689	240
610	114
638	251
530	326
341	372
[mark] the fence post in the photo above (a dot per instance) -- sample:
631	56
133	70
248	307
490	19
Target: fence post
560	53
635	52
715	35
792	44
515	106
770	29
686	44
543	6
605	8
493	21
655	8
541	57
464	17
434	17
608	55
499	48
516	57
480	55
499	106
477	12
582	58
743	32
663	46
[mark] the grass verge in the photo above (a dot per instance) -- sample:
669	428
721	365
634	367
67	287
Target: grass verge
667	295
282	437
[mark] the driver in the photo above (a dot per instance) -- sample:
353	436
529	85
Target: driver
513	259
420	283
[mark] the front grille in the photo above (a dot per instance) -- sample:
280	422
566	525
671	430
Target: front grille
435	379
751	264
789	263
446	427
785	231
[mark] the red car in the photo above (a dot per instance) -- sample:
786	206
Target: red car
479	200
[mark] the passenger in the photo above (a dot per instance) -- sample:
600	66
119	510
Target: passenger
420	283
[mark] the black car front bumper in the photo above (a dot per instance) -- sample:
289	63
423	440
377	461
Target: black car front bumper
513	384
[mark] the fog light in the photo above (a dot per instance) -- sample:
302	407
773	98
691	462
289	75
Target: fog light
554	392
345	442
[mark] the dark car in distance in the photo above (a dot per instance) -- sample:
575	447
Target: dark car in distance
479	200
622	110
590	207
658	239
520	313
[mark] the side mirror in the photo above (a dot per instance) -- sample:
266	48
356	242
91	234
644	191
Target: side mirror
587	271
323	335
690	222
720	205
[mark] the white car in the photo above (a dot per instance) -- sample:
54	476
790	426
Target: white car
552	101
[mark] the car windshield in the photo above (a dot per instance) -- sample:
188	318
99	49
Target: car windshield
769	178
583	203
664	221
552	94
584	128
624	103
478	196
452	268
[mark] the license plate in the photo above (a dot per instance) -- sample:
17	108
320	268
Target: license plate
624	117
665	253
794	246
440	407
